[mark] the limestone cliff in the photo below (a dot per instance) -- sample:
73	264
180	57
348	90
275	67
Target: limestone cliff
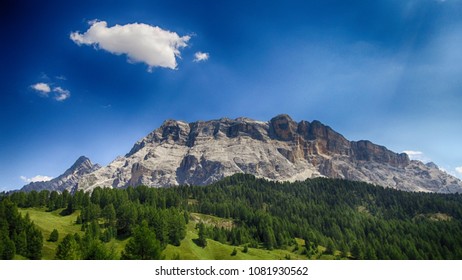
203	152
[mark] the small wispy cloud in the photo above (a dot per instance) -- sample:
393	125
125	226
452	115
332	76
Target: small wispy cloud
61	94
141	42
413	153
417	155
200	56
38	178
459	170
42	88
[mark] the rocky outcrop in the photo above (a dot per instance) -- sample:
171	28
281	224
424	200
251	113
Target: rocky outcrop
68	180
281	149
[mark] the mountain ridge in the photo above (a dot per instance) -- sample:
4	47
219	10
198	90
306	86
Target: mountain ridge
202	152
66	181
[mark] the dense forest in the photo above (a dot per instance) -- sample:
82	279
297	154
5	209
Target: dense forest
18	234
347	219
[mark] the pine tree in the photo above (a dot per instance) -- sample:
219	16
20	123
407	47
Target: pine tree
268	238
201	241
9	249
95	250
34	243
357	251
330	248
109	214
54	236
21	243
68	249
143	245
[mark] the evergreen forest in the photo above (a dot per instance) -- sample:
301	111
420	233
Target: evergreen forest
314	218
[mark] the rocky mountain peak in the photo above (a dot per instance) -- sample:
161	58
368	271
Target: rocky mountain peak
176	131
81	166
203	152
432	165
282	127
82	163
68	180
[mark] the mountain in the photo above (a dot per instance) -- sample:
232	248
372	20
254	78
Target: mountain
203	152
281	149
68	180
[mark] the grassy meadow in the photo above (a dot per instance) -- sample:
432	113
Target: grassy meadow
188	250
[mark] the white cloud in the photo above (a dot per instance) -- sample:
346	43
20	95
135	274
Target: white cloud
459	170
200	56
417	155
140	42
61	94
42	88
413	153
38	178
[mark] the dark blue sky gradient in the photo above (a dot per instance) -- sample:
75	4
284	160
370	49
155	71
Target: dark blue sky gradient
387	71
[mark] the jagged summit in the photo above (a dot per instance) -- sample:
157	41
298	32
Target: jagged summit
81	165
202	152
82	160
68	180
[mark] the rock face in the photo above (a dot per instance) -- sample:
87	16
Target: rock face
68	180
200	153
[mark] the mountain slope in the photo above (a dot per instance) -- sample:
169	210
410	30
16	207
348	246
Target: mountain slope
203	152
68	180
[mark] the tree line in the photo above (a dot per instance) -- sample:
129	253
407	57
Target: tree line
352	219
362	221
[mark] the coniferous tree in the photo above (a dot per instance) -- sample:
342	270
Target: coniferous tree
68	249
201	241
95	250
34	243
21	243
143	245
330	247
109	214
8	249
54	236
234	252
357	251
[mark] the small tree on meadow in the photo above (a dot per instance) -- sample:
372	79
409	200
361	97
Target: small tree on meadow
54	236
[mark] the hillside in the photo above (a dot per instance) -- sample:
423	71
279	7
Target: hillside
316	218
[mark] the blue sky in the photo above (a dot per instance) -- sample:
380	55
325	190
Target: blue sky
84	78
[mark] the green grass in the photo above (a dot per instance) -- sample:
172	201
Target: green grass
188	250
118	245
47	221
19	257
